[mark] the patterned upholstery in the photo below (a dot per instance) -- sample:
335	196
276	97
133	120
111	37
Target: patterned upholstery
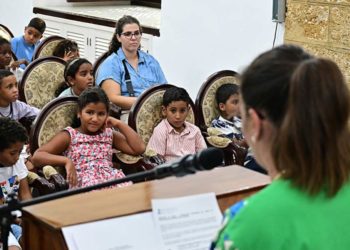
146	112
5	32
47	46
55	116
40	81
206	96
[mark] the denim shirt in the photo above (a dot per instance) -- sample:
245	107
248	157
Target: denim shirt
149	72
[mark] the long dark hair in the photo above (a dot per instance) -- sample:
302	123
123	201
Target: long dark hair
313	148
115	44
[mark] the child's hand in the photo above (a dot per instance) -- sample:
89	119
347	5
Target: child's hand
112	122
16	64
68	55
71	173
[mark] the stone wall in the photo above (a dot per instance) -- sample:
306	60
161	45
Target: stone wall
322	27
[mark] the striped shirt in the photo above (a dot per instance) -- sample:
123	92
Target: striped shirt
171	144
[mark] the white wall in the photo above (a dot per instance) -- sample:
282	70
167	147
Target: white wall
16	14
200	37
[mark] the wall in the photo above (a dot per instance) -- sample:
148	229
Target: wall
15	17
200	37
322	27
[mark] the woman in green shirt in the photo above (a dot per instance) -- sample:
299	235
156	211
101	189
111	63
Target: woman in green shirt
295	116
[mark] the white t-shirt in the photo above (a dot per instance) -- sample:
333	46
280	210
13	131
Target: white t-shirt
10	177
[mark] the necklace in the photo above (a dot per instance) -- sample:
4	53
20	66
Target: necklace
9	114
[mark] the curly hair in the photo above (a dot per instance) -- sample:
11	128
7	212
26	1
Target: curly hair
11	132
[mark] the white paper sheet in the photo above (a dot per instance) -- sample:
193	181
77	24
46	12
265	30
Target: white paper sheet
186	223
132	232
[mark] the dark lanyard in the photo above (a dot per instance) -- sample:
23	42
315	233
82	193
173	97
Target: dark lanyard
128	82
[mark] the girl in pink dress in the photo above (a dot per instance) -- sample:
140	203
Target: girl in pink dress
86	150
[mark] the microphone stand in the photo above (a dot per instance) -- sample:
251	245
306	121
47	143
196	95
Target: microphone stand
13	203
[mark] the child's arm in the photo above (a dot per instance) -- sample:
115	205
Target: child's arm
50	154
126	140
16	64
24	190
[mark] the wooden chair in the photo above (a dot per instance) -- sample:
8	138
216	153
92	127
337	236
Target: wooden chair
5	32
47	46
144	116
146	112
40	81
55	116
207	110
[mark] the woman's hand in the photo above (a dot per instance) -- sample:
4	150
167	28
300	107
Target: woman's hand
71	173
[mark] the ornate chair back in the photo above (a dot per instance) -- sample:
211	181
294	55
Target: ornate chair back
55	116
146	112
47	46
40	81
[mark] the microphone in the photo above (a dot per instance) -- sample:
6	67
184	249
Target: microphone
206	159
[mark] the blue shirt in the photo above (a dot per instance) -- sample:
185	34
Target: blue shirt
22	49
149	72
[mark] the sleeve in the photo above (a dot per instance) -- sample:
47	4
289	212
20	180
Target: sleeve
157	141
109	69
20	169
223	240
160	75
12	241
200	142
26	110
14	45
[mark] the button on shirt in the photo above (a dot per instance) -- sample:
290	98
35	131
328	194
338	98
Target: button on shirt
171	144
149	72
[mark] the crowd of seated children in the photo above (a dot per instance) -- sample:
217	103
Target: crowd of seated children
85	149
78	75
13	172
67	50
174	137
24	46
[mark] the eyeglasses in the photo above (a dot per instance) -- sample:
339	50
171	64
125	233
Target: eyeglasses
129	34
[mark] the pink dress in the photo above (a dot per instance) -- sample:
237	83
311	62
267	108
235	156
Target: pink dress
92	157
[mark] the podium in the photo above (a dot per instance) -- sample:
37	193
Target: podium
42	223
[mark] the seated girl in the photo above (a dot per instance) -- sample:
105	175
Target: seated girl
85	150
78	76
67	50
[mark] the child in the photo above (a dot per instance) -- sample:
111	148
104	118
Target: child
78	74
67	50
24	46
9	105
173	137
6	57
227	99
86	150
13	172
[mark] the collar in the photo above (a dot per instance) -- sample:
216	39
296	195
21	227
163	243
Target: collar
171	129
121	55
225	120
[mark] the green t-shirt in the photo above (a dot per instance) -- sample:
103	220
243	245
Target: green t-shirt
283	217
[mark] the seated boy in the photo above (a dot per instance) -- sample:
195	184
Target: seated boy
227	99
24	46
173	137
13	172
9	105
